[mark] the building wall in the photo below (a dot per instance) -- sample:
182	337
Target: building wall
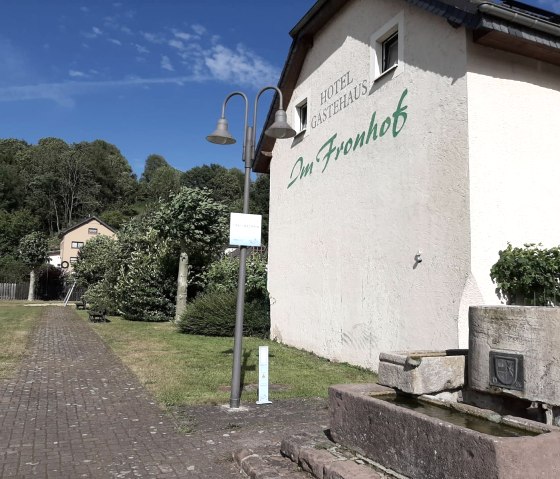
514	123
80	234
344	231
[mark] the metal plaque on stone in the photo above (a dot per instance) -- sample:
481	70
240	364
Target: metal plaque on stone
506	370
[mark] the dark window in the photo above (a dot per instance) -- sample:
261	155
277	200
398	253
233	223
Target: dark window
390	52
92	231
73	259
302	113
77	244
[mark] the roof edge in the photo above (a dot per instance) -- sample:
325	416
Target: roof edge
83	222
466	13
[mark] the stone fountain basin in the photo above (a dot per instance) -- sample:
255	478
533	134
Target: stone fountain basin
423	447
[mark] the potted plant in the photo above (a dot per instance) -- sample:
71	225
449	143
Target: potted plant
528	276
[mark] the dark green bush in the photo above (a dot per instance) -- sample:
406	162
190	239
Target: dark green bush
528	275
213	314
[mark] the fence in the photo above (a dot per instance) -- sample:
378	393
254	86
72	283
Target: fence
10	291
46	291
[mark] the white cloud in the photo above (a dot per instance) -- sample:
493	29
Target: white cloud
76	74
182	35
126	30
84	9
153	37
115	41
141	48
198	29
178	44
64	93
240	66
13	65
166	63
95	32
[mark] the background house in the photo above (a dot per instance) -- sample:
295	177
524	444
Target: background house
427	140
73	238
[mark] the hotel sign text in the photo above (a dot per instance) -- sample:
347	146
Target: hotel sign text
333	149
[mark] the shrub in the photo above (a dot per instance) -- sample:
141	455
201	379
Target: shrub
528	275
213	314
222	275
99	297
13	270
95	259
146	282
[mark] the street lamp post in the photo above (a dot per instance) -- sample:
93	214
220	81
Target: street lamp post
221	136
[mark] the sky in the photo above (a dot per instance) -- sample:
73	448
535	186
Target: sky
148	76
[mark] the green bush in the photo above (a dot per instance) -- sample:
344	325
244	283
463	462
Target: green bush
145	284
13	270
223	275
528	275
99	298
213	314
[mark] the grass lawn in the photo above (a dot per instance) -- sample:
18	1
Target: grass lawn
182	369
16	322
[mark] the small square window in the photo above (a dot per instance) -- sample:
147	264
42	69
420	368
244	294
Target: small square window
390	48
92	231
301	116
73	259
77	244
387	48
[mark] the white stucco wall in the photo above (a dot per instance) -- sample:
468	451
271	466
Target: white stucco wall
342	274
514	127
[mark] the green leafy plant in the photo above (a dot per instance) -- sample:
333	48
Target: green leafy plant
222	275
213	314
33	253
144	284
528	275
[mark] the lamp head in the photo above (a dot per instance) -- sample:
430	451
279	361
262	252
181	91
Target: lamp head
280	128
221	135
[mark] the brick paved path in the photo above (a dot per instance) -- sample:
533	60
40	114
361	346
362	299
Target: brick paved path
75	410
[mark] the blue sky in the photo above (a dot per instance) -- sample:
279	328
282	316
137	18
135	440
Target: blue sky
148	76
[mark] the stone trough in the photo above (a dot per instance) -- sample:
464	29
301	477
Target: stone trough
370	420
514	352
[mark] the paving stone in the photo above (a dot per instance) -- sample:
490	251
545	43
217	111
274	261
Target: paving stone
75	410
349	470
315	461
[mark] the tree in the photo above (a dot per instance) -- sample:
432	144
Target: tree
95	259
60	186
12	192
153	163
33	252
13	227
109	170
260	202
142	280
164	182
195	222
224	185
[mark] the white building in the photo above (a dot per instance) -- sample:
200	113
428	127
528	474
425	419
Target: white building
429	131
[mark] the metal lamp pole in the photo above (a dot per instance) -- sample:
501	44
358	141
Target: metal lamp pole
221	136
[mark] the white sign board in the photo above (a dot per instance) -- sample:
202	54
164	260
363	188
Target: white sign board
245	230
